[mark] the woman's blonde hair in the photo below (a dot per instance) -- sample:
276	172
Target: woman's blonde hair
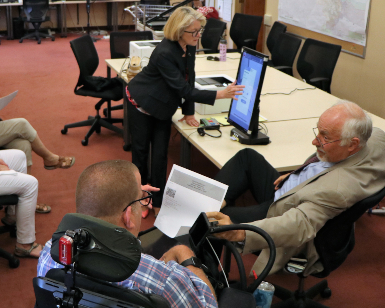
180	20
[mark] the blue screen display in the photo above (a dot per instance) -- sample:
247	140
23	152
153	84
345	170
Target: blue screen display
249	75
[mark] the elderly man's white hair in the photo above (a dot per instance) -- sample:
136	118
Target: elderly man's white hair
359	124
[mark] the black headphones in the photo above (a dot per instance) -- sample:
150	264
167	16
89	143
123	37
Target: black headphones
202	132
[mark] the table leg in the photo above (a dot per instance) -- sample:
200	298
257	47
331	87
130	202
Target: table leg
114	16
9	23
185	153
126	129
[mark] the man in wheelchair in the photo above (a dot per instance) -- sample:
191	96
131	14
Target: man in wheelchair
109	195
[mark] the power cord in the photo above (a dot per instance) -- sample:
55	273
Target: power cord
296	89
219	261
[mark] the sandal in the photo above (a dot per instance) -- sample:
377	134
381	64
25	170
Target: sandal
64	162
25	253
40	208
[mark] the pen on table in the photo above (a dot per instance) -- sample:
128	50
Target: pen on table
255	275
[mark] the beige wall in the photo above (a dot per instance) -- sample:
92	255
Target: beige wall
359	80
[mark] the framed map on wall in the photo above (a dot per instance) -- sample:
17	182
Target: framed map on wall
344	20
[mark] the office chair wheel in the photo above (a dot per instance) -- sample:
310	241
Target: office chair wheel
53	39
39	41
85	142
64	131
14	262
21	41
126	147
326	293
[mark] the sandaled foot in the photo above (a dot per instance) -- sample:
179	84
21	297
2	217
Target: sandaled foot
42	208
64	162
33	252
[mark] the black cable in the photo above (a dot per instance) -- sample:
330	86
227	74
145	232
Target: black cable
262	126
296	89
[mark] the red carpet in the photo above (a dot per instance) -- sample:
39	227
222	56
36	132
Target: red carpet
45	76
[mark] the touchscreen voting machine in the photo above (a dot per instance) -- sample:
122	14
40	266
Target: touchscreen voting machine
244	112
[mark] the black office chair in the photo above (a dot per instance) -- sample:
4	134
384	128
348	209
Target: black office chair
333	243
244	31
88	85
274	33
284	52
4	201
211	36
120	48
316	63
36	13
98	261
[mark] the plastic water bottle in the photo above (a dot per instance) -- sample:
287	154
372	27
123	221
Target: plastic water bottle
222	49
264	295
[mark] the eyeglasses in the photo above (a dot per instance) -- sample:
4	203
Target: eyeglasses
143	201
195	33
316	133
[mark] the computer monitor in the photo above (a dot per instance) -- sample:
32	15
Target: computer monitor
244	112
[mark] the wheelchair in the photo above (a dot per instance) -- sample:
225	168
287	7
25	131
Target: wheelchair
93	260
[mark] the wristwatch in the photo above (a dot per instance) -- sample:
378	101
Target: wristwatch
194	261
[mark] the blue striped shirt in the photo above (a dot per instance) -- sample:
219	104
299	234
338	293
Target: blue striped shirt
177	284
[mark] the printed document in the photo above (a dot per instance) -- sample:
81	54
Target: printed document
4	101
186	195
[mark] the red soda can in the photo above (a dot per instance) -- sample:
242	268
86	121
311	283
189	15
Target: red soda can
66	250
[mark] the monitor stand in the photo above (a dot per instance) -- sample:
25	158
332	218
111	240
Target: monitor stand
249	139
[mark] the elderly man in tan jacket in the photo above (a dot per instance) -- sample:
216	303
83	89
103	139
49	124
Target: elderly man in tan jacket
292	208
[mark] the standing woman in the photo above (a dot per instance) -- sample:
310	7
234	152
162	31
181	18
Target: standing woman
165	84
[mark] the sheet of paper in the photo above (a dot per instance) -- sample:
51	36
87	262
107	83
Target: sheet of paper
186	195
227	4
4	101
220	8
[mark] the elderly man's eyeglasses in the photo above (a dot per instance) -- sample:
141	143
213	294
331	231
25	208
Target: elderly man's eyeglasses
195	33
143	201
316	133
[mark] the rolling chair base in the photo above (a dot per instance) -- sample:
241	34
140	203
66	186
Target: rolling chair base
38	35
301	298
96	124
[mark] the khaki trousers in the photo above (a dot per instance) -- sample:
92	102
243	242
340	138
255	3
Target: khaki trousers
18	134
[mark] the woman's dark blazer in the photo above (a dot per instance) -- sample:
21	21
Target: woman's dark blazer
162	84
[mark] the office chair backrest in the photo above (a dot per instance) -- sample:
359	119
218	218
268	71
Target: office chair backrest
120	42
86	56
317	59
211	36
35	10
336	238
274	33
285	50
244	30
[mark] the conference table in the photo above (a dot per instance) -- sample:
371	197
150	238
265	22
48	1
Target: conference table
112	13
291	108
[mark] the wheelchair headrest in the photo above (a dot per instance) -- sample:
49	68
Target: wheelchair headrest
113	254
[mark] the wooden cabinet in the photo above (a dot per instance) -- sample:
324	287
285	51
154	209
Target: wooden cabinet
256	7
